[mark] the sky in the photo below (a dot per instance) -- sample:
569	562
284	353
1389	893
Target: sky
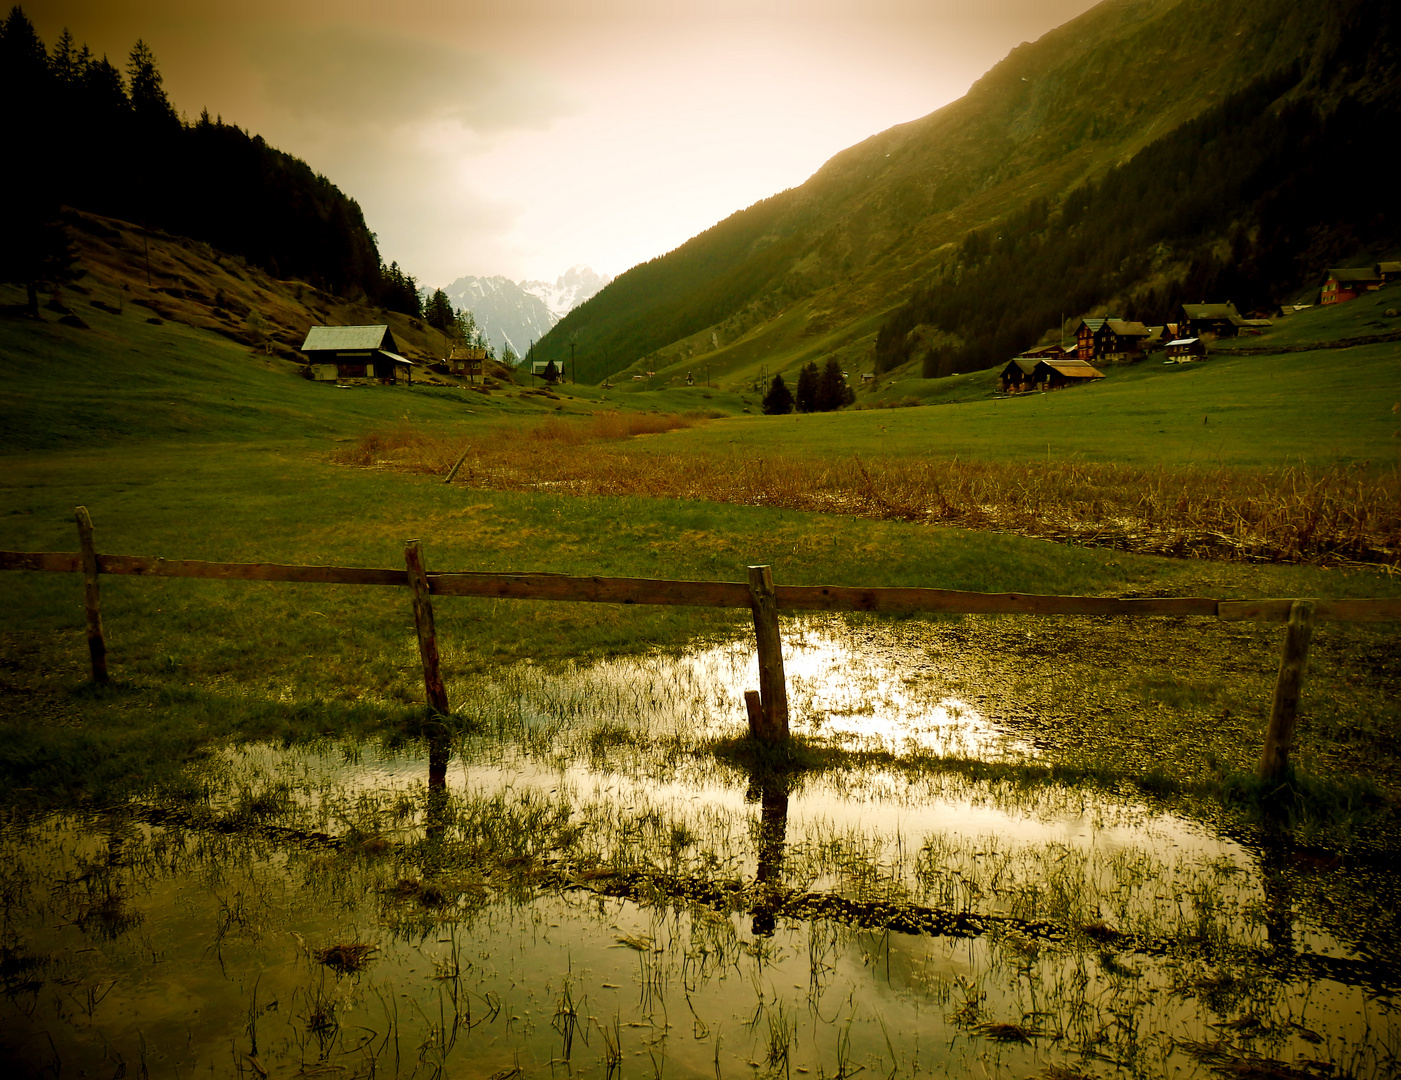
525	138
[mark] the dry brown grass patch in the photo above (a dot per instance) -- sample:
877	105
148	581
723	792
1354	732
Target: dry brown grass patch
1346	515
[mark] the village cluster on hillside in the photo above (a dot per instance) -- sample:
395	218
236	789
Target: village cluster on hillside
1111	340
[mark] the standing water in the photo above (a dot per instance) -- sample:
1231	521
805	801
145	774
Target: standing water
581	885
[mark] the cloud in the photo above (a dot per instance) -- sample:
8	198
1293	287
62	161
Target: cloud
355	78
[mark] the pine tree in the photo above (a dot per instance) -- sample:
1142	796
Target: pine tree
779	400
806	396
832	390
148	98
551	373
438	312
64	62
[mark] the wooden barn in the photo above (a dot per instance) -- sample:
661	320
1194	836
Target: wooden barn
1185	350
1019	375
355	353
1058	374
469	363
1388	271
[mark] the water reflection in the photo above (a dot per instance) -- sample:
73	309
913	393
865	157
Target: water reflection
218	967
435	812
771	793
852	694
578	864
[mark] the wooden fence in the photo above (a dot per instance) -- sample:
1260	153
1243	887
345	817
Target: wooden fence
768	706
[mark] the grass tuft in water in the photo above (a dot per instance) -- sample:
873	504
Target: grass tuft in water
346	959
1304	802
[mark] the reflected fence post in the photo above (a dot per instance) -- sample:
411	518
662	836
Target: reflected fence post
771	792
438	753
438	750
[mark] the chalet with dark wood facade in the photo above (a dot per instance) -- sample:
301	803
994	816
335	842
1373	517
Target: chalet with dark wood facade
1222	320
355	354
1110	339
1389	272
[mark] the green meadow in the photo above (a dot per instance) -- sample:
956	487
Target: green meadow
1321	408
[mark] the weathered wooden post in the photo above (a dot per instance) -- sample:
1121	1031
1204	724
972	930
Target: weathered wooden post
754	706
773	687
97	644
1279	735
423	620
453	471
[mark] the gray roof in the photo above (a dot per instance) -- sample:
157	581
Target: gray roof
1388	267
1124	328
339	338
1027	365
1182	341
1357	273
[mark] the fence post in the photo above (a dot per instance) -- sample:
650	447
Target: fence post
754	706
97	644
773	687
453	471
1279	735
423	621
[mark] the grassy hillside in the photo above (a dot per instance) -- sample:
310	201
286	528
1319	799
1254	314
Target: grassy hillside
123	379
164	338
818	269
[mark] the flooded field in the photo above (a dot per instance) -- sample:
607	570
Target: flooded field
577	883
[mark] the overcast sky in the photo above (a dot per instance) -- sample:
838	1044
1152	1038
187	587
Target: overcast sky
524	138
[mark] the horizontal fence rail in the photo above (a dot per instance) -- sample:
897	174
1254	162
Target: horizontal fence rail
736	594
768	706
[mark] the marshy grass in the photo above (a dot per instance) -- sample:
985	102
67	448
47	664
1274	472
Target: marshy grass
1296	513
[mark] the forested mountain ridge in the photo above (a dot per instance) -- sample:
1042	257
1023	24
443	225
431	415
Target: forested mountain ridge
88	135
820	267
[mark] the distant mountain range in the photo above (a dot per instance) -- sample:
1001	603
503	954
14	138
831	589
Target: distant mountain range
519	312
1145	153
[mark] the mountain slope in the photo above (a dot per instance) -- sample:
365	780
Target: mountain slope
819	268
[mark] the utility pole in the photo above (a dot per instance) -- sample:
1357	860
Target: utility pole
573	368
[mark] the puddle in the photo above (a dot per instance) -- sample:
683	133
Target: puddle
886	696
578	888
